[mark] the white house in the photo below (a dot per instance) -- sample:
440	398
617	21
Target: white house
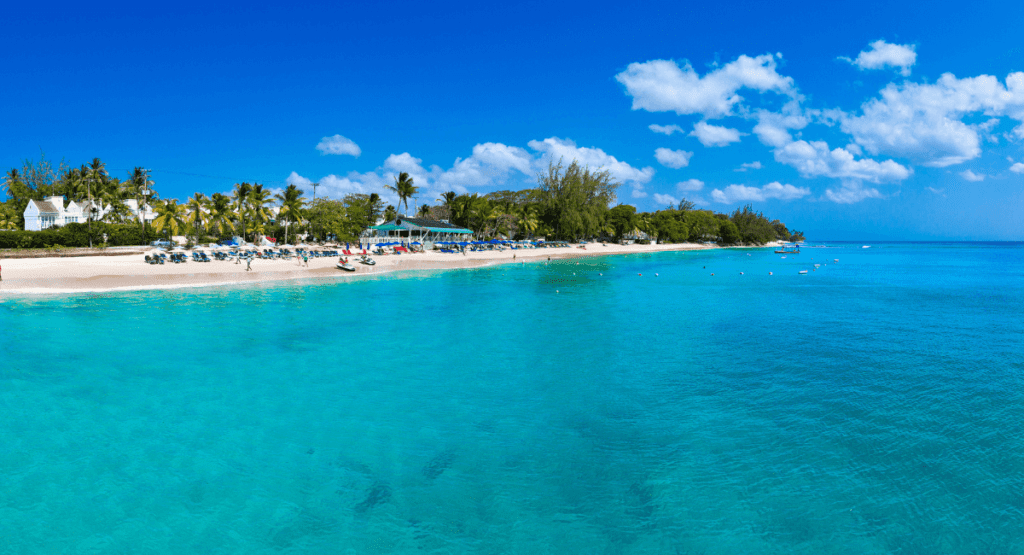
43	214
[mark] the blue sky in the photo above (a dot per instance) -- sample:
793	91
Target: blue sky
863	120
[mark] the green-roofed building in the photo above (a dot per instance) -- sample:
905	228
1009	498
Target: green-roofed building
408	230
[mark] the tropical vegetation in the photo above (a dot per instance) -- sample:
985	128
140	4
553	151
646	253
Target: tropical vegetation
570	202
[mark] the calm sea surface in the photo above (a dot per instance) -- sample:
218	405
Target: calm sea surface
874	405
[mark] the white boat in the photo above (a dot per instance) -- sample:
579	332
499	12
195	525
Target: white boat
344	265
803	271
368	261
866	247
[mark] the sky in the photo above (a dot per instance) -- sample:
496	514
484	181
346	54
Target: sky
848	121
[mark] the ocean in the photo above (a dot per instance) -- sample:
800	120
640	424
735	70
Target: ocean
614	405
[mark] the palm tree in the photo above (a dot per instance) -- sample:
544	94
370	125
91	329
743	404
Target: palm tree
374	207
196	214
259	199
292	202
448	198
241	203
390	213
138	186
424	211
11	181
219	218
528	220
403	188
170	217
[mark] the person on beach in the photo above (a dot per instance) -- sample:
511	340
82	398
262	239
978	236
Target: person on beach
305	259
248	264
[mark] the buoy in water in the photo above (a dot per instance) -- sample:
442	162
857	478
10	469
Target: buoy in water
655	275
771	274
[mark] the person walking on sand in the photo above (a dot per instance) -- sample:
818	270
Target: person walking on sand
305	259
248	264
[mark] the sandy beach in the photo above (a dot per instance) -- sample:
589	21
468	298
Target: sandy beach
125	273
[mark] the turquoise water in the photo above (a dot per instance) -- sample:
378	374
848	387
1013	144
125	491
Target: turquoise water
870	406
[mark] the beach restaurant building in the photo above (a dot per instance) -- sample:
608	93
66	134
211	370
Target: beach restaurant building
406	231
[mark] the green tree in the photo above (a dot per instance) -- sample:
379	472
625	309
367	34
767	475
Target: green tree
623	219
196	215
240	205
390	213
575	200
219	218
703	225
170	218
292	202
729	233
404	188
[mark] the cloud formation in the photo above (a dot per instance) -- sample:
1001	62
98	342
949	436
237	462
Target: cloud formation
489	164
665	129
756	165
923	122
971	176
815	159
851	192
690	185
555	149
714	135
663	86
665	200
673	158
774	190
1017	168
883	54
338	145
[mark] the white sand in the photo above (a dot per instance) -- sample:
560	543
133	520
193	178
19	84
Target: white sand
116	273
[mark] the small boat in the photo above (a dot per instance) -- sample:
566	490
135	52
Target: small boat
344	265
817	265
789	249
368	261
835	260
866	247
803	271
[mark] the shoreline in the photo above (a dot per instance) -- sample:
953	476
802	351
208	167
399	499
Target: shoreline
120	273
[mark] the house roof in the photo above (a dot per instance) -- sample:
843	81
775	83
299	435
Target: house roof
403	222
44	206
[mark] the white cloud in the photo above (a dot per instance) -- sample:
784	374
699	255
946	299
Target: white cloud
971	176
666	129
690	185
714	135
1017	168
490	164
338	145
774	190
748	166
851	192
883	54
813	159
933	190
773	127
297	180
664	200
673	158
923	122
663	86
556	149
